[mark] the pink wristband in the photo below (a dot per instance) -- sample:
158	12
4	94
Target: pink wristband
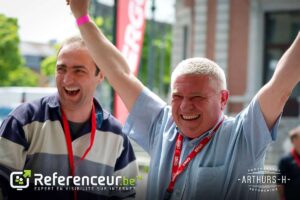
82	20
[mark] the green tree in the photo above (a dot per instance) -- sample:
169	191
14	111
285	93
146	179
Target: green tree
162	45
13	72
23	76
48	66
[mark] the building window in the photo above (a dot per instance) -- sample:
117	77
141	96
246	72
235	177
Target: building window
281	30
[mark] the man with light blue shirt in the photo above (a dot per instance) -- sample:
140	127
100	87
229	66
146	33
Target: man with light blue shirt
238	144
196	152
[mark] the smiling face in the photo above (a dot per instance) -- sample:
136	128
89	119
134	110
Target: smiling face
76	77
197	103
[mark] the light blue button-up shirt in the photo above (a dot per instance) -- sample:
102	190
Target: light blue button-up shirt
239	145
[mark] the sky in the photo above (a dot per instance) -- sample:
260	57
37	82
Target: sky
45	20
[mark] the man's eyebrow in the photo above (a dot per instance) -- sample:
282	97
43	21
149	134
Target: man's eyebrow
78	67
61	65
73	67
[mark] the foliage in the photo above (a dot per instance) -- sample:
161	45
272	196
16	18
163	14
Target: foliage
48	64
106	26
162	45
23	76
11	62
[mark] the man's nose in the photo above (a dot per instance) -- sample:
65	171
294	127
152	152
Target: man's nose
186	104
68	78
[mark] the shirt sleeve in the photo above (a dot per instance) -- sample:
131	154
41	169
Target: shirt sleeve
126	163
12	137
255	130
126	167
13	145
144	118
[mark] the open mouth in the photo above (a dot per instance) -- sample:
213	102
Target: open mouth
189	117
71	91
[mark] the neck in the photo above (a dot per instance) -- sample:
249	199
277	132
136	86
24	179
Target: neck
78	115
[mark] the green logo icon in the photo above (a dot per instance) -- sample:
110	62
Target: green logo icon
20	180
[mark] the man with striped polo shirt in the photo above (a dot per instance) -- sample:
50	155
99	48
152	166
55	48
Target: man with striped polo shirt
67	138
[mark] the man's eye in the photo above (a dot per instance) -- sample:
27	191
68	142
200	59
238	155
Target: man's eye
79	71
198	98
175	97
60	69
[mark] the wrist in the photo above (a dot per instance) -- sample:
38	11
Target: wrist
83	19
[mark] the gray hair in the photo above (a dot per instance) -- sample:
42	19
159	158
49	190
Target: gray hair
294	133
199	66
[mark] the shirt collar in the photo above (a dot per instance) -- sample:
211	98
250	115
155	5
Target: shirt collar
100	113
54	101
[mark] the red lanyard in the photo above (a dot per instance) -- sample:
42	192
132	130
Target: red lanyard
295	156
176	169
69	140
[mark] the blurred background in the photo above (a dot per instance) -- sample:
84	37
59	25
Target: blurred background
245	37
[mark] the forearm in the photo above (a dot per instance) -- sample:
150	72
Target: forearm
108	58
112	64
273	96
103	51
287	73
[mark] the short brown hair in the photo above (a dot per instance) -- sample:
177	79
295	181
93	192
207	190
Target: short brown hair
76	39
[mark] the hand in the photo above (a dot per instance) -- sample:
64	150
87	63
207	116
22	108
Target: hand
79	8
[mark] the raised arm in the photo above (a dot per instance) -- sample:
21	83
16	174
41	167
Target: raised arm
107	57
273	96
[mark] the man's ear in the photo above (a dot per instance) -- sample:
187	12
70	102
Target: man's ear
224	98
100	77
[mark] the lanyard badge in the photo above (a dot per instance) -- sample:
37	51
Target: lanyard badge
178	169
69	140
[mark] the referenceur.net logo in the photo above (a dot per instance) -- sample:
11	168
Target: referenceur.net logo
21	180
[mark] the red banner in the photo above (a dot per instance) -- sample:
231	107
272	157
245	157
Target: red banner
129	40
